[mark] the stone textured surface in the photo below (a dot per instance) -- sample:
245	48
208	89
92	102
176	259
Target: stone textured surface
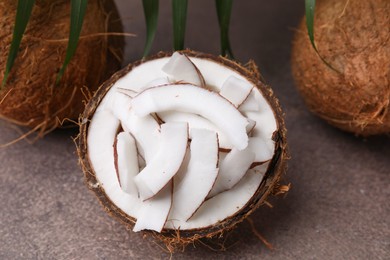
338	207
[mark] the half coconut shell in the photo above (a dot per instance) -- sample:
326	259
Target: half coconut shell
175	238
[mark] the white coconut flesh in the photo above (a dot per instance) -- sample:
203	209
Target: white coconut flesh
180	68
184	146
154	212
251	103
232	169
198	122
126	163
236	90
193	99
198	177
167	161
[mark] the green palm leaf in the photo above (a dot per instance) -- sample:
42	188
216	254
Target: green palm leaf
310	7
23	14
151	17
179	10
77	13
224	10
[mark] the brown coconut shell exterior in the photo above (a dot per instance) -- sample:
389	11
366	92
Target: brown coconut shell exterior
30	97
174	239
353	36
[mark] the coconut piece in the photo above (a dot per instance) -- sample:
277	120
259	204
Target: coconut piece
181	68
193	185
102	132
145	130
250	103
265	124
192	99
236	90
154	212
155	83
224	204
166	163
232	169
196	122
263	150
126	162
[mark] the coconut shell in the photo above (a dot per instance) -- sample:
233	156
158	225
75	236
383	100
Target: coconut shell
30	97
354	38
174	239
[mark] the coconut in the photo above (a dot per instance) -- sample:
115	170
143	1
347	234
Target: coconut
181	204
30	96
353	37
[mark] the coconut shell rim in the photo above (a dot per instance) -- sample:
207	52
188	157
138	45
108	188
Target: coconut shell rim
276	168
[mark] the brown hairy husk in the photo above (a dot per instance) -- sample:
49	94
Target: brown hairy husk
30	97
353	36
179	239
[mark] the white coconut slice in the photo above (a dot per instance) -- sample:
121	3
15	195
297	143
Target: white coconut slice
192	99
224	204
126	162
155	83
154	212
236	90
265	124
181	68
145	130
263	149
232	169
193	185
166	163
196	122
101	154
250	103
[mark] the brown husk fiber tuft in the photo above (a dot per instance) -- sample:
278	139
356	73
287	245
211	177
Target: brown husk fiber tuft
178	239
30	97
354	37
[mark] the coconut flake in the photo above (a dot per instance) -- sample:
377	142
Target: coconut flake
145	130
264	150
192	186
236	90
192	99
232	169
196	122
181	68
155	83
154	212
250	103
224	204
167	161
126	163
102	132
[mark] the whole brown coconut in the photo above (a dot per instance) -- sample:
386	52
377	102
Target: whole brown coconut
30	97
353	36
178	239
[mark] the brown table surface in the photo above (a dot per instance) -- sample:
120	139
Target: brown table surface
338	207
